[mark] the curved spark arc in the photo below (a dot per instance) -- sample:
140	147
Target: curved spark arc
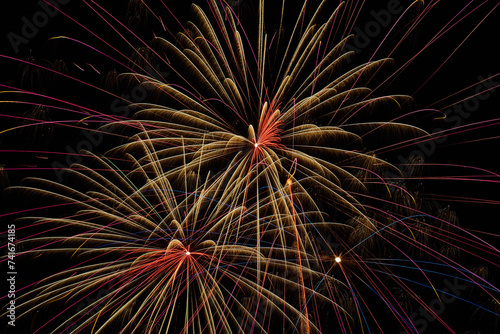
230	180
174	244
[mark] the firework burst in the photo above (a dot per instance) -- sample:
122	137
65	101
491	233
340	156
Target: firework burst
250	192
171	259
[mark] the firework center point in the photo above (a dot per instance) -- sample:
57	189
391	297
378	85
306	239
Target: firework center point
256	145
338	259
188	253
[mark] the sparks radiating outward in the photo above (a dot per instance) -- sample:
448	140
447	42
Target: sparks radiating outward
292	125
247	194
169	258
297	130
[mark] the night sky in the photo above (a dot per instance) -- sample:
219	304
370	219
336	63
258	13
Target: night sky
475	145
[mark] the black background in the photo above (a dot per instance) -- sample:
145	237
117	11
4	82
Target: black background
478	56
